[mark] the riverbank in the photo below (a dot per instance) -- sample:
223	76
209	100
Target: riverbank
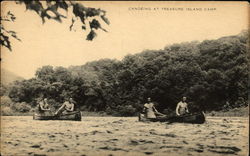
95	114
84	113
236	112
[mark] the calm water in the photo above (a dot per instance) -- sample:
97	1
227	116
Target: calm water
123	136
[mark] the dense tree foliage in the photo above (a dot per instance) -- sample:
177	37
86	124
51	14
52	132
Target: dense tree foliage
212	74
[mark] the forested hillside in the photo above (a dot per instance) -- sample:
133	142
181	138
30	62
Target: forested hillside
212	74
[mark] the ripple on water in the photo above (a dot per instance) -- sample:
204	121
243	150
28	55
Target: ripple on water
139	142
224	149
112	148
36	146
124	136
170	146
166	134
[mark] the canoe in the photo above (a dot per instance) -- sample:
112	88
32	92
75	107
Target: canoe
195	118
143	118
75	116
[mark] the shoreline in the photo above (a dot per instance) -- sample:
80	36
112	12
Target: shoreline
206	114
236	112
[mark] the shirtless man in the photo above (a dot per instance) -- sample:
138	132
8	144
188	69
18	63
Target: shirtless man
182	108
68	106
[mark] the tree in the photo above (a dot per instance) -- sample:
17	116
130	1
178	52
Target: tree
50	10
5	34
212	74
3	90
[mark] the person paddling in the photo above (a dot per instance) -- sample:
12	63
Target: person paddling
68	106
182	107
43	106
150	110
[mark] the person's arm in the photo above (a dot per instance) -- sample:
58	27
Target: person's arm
187	109
177	109
155	109
60	108
144	108
46	109
42	106
157	112
72	108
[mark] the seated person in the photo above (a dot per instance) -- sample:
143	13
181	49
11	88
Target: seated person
68	106
43	106
182	108
150	110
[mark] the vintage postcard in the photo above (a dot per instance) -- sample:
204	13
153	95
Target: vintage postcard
116	78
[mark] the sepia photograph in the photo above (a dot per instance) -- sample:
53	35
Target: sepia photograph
124	78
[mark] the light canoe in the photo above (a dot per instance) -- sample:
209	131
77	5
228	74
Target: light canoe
75	116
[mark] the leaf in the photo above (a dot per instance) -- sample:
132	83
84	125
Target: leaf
10	32
3	19
13	32
13	18
84	27
45	14
15	36
4	41
9	17
72	23
78	10
90	12
91	35
51	13
105	19
62	4
34	5
19	2
94	24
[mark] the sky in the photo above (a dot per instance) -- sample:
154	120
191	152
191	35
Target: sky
135	26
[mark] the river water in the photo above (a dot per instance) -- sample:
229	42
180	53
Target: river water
126	136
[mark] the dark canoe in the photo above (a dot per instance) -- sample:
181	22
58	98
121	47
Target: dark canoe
75	116
195	118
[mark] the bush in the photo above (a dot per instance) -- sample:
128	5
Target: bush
240	102
6	101
3	90
169	112
5	110
21	107
109	111
126	110
8	107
